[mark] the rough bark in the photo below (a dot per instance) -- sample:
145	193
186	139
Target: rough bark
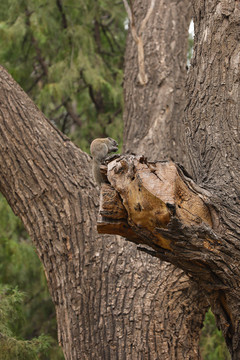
161	207
153	113
107	302
154	127
110	305
212	134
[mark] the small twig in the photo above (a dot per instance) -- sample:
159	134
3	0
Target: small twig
149	252
128	10
142	76
145	20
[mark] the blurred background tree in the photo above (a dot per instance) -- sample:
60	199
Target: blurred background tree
10	315
68	55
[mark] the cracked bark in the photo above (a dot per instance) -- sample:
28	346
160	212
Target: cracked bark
153	118
212	129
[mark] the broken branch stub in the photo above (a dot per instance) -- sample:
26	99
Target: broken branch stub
149	195
155	204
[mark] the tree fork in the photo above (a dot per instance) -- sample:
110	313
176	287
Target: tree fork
157	204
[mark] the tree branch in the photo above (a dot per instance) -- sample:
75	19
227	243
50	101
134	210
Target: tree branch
145	20
155	204
64	19
72	112
142	76
128	10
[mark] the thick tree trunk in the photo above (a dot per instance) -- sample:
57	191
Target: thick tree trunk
212	128
153	113
208	251
45	180
154	127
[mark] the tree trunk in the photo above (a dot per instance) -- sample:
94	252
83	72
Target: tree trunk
204	243
212	129
108	297
107	306
154	127
153	113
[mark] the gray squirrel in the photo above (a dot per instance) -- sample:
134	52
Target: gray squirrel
100	148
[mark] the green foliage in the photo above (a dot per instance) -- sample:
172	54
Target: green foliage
25	316
68	56
212	343
11	346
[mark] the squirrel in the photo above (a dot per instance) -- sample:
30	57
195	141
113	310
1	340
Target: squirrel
99	149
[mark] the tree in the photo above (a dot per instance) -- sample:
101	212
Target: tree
144	307
189	343
212	343
211	153
64	190
60	235
153	119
